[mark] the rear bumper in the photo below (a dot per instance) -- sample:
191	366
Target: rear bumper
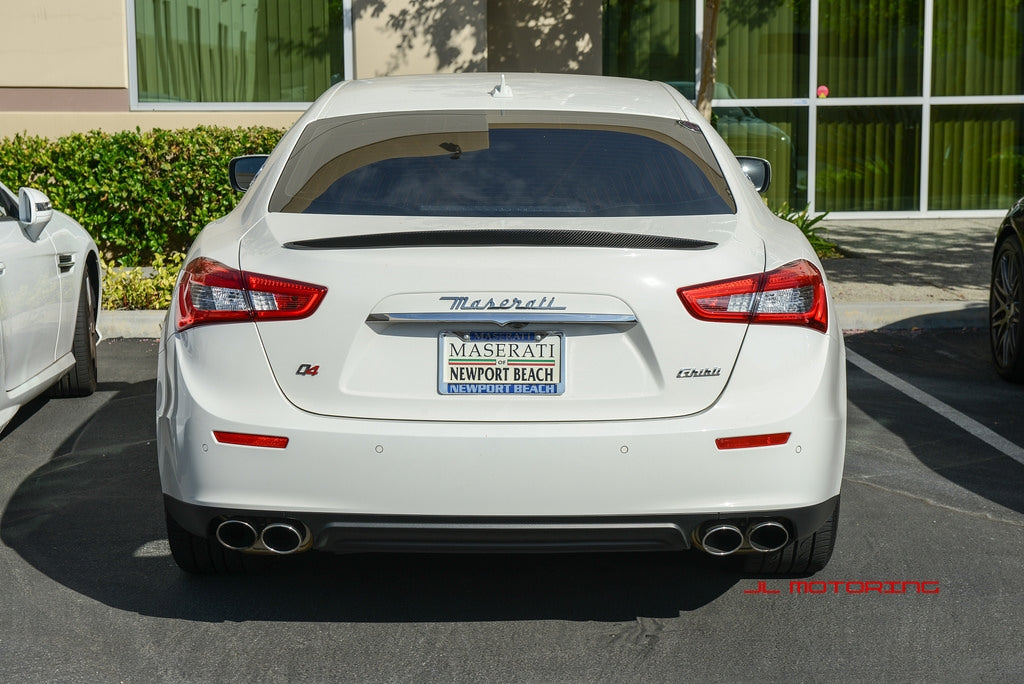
340	533
361	484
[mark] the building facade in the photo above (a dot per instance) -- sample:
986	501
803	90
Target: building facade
864	107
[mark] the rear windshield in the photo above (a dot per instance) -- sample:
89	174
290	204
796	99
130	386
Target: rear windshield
470	166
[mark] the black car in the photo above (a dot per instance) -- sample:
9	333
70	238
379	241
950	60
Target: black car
1006	296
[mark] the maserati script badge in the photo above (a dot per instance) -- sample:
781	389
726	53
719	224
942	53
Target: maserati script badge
465	304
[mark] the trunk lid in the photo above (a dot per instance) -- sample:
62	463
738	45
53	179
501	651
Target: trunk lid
410	330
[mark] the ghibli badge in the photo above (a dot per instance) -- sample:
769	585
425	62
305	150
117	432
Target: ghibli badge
699	373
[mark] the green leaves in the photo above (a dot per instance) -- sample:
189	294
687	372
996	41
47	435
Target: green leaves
140	194
808	225
141	288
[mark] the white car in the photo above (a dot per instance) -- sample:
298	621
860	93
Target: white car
49	299
478	312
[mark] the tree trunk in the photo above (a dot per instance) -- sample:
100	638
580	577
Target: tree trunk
708	58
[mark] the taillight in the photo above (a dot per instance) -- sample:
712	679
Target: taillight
211	292
793	294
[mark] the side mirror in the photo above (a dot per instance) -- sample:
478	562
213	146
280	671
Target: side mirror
34	210
243	170
758	170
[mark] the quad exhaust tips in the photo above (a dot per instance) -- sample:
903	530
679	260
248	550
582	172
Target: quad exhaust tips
722	539
280	537
283	537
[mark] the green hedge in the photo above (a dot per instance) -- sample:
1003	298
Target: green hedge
138	193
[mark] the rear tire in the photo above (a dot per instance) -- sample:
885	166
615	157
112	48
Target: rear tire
798	557
206	556
80	381
1006	310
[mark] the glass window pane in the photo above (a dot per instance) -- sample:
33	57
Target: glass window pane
870	49
652	39
237	50
978	47
763	48
976	157
868	159
778	134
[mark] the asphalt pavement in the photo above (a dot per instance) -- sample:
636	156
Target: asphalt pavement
921	587
896	274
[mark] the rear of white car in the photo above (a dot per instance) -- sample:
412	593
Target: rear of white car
458	314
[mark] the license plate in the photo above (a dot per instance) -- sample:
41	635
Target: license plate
500	363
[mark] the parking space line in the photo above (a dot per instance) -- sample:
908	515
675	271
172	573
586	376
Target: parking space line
972	426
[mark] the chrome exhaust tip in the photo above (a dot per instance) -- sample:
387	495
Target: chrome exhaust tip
767	536
282	537
237	535
721	539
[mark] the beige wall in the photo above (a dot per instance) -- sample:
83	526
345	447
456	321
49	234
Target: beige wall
544	35
430	36
64	44
418	36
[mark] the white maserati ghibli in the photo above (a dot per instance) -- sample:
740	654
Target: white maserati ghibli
49	299
478	312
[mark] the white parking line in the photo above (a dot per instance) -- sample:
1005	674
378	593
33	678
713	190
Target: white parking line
972	426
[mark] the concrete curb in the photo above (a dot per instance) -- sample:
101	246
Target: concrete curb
113	324
852	316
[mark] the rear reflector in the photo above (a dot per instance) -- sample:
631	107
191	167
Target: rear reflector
210	292
793	294
751	441
245	439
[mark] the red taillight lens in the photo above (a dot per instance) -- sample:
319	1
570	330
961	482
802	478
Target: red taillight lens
793	294
246	439
211	292
750	441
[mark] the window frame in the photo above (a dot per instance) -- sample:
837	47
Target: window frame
925	102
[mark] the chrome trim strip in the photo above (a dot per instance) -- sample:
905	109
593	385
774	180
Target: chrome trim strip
501	318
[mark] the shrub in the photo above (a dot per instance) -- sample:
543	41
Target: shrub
139	194
808	225
138	288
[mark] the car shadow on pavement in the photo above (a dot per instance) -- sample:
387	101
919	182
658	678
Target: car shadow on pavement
23	414
91	518
954	367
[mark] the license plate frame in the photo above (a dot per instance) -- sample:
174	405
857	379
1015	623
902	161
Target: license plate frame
501	363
